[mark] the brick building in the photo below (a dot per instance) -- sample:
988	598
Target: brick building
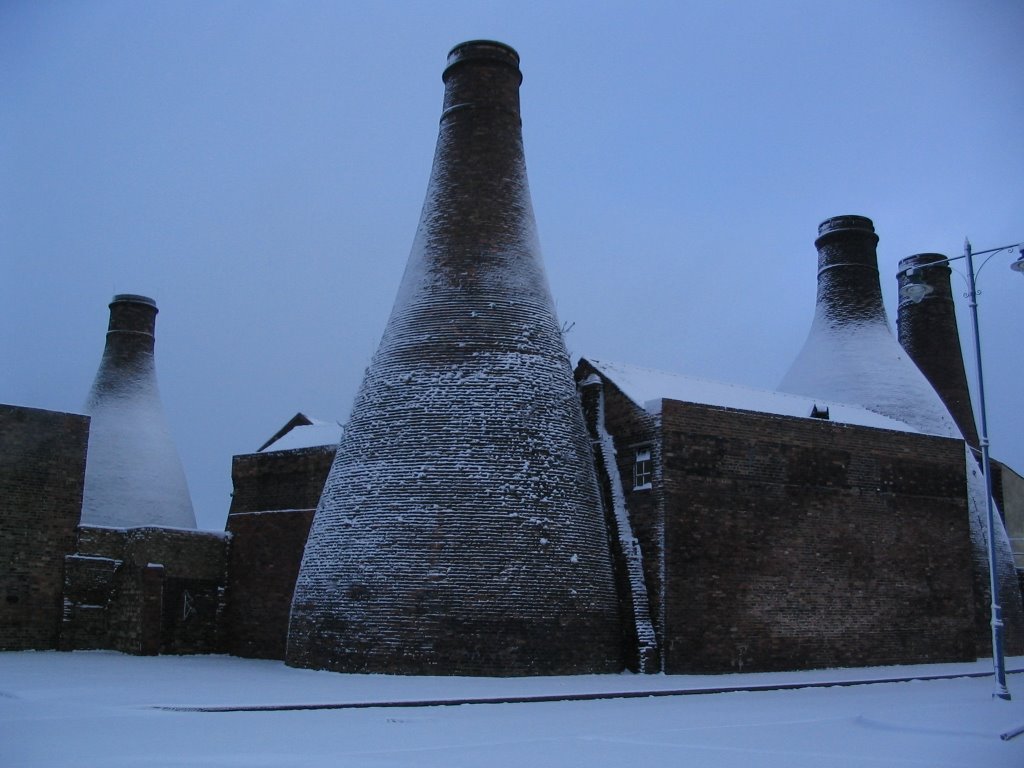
784	532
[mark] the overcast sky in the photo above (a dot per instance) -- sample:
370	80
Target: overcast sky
258	168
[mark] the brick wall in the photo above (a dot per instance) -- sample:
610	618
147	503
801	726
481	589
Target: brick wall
279	479
798	543
272	506
145	590
42	470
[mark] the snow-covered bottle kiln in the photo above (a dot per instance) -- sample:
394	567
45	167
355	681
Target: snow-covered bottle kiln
851	354
461	530
133	474
139	577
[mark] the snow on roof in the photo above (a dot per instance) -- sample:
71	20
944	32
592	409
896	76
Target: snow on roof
303	432
647	387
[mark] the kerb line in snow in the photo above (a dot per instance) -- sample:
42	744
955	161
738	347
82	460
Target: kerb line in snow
595	696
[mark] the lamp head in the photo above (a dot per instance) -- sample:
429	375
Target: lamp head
1018	265
916	291
914	284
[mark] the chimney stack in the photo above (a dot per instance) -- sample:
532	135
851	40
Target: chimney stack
133	476
848	285
927	330
461	530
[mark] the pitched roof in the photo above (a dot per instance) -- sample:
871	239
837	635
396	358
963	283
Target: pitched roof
647	388
303	432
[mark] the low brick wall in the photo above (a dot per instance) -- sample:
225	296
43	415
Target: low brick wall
145	590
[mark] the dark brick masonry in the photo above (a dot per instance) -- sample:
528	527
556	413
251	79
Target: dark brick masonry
42	471
145	590
799	543
927	329
275	496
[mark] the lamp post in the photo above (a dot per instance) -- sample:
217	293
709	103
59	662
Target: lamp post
916	291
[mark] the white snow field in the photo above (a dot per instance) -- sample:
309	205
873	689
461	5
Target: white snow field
104	709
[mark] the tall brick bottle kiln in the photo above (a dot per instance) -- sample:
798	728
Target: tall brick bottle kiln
460	529
852	356
133	475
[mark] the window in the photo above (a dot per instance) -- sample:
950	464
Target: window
643	468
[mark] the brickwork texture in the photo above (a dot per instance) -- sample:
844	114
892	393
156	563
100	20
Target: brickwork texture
272	505
145	590
798	543
42	471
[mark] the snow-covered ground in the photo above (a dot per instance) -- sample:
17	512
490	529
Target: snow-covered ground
106	709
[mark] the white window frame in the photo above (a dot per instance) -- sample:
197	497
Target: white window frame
643	468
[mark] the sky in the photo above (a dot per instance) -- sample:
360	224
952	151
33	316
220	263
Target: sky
258	168
116	710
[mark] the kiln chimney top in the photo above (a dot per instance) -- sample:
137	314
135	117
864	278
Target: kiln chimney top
132	298
476	50
132	313
849	223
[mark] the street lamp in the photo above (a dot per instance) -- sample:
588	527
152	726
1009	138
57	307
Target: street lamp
916	290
